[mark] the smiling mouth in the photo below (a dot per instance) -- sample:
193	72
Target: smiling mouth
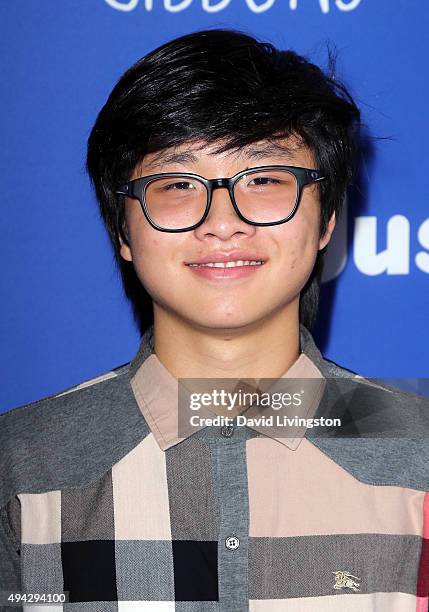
229	264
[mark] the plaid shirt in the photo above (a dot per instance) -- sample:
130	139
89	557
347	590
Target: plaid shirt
101	498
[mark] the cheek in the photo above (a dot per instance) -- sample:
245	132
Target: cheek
148	257
155	259
300	244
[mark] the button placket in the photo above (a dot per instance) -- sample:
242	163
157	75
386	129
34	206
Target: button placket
230	476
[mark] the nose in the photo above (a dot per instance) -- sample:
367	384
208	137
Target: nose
222	220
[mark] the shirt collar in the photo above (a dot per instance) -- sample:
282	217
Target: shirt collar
156	393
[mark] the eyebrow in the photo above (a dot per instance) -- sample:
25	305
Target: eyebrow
182	158
269	150
250	152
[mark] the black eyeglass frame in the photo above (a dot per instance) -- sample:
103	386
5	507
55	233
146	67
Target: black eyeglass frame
136	188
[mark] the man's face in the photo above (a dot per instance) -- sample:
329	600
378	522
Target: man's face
219	298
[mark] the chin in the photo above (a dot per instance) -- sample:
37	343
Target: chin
220	321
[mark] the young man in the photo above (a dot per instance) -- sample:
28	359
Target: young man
220	165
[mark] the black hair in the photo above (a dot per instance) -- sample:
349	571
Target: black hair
223	87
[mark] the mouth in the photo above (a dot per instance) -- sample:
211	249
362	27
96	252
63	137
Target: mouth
221	271
228	264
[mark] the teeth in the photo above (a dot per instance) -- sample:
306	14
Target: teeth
230	264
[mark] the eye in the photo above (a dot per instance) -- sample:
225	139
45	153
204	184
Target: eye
181	185
264	180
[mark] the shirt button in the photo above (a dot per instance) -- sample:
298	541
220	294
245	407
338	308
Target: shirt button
227	430
232	542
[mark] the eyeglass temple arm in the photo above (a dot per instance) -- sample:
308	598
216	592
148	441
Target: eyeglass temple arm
123	190
314	176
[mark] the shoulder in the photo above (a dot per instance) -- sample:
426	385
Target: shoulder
369	396
59	413
69	438
384	434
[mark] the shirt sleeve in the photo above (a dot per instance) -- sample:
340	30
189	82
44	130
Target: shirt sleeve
10	559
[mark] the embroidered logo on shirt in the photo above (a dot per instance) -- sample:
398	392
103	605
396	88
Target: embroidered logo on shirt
344	579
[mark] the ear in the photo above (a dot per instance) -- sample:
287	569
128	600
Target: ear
125	250
328	233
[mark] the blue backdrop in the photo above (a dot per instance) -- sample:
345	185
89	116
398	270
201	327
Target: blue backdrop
64	318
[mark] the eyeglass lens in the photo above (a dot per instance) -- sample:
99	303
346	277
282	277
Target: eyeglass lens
261	196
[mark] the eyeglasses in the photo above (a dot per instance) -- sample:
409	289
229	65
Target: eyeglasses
180	202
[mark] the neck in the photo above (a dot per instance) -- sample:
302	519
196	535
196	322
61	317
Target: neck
264	349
